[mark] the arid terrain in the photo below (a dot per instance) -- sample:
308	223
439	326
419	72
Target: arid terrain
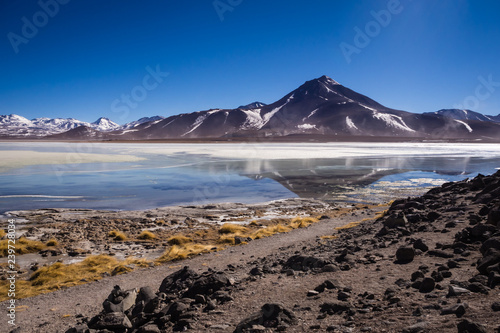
429	264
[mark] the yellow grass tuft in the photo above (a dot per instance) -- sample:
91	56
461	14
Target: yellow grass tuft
269	231
117	235
2	233
349	225
58	275
302	222
179	240
329	237
52	242
178	252
381	214
147	235
254	223
225	239
121	269
22	246
229	228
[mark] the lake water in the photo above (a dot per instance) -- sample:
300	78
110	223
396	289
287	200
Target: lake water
77	175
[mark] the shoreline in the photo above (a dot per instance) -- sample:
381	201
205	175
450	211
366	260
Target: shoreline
418	267
133	239
281	139
52	309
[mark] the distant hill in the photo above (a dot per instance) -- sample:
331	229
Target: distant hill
465	115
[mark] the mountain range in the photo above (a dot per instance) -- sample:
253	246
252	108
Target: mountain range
319	107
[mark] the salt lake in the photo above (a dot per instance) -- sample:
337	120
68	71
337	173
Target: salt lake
120	176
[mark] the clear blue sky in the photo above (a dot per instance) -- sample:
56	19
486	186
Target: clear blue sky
429	56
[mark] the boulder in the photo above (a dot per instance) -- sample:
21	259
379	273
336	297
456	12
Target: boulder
207	284
491	258
394	221
113	321
428	284
405	254
305	263
271	315
120	300
467	326
178	281
492	243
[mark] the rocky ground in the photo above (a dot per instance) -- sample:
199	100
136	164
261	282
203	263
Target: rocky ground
431	264
83	232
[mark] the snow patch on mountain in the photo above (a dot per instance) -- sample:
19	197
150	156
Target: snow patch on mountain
350	123
254	119
197	123
268	115
142	121
306	126
393	121
465	124
367	107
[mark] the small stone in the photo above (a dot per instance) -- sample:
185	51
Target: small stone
405	254
495	306
457	309
415	328
427	285
417	275
311	293
256	271
456	291
420	245
330	268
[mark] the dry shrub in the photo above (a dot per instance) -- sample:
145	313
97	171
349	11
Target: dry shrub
226	239
178	252
147	235
179	240
117	235
328	237
52	242
302	222
59	275
121	269
269	231
22	246
381	214
230	228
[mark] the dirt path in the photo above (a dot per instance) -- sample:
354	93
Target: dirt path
57	311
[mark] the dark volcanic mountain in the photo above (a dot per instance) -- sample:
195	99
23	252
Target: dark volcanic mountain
319	107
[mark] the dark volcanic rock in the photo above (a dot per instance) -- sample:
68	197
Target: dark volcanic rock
428	284
207	284
405	254
178	281
113	321
420	245
457	309
304	263
332	308
270	316
120	300
467	326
